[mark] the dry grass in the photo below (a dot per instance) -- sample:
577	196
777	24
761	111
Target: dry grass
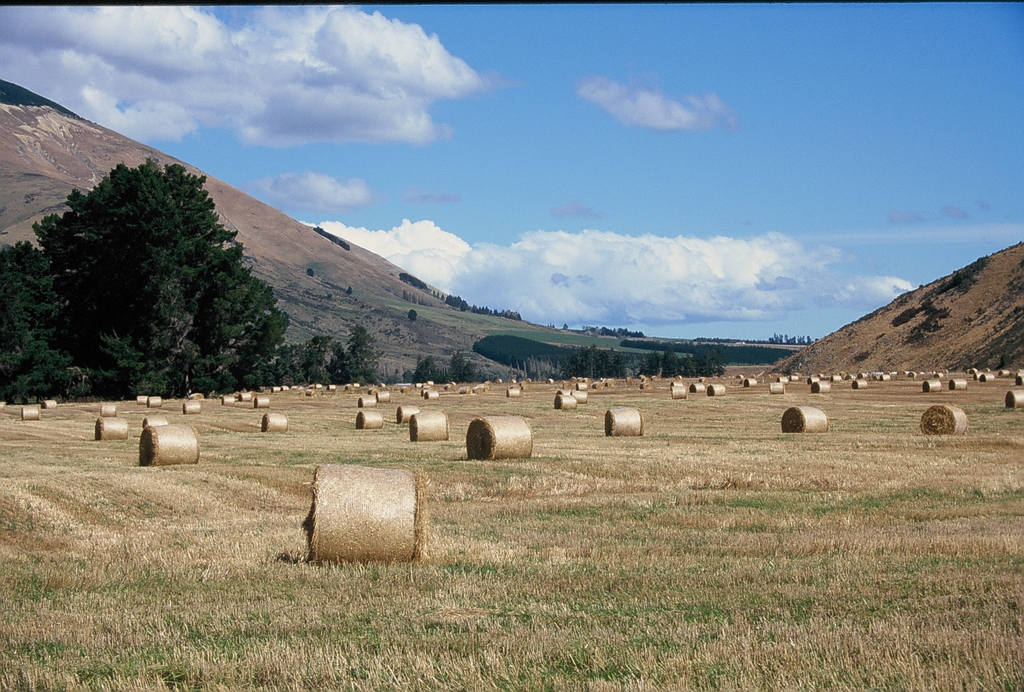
691	557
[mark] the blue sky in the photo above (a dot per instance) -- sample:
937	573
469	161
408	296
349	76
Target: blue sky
688	170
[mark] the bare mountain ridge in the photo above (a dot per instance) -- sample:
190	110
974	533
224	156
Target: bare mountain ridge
973	317
45	152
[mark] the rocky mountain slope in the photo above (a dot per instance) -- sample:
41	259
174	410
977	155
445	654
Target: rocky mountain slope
46	150
972	318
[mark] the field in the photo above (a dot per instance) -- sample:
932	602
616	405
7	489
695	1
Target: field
713	552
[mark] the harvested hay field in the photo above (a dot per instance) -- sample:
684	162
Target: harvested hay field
715	551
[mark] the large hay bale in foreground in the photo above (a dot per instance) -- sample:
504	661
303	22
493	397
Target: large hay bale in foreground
943	419
1015	399
383	397
153	421
165	445
564	401
957	384
274	422
931	386
369	420
261	402
716	390
367	402
111	428
108	411
678	392
697	388
428	426
191	408
154	402
623	422
361	514
405	413
804	419
30	412
821	387
776	387
499	437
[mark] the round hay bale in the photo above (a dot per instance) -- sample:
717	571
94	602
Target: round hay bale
3	405
885	377
191	408
108	411
1015	399
957	384
582	396
141	400
369	420
697	388
1003	373
30	412
513	392
245	396
154	402
499	437
430	395
623	422
49	404
821	387
835	378
782	379
777	388
1019	381
804	419
365	515
428	426
383	397
812	379
986	377
564	401
227	401
164	445
582	386
678	392
859	384
153	421
943	419
749	381
716	390
405	413
274	422
111	428
931	386
261	402
367	402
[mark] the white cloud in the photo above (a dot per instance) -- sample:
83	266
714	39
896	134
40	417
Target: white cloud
598	277
311	191
639	105
285	76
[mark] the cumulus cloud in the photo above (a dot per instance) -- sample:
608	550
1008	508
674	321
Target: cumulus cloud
315	192
415	195
599	277
955	212
283	76
905	216
639	105
575	209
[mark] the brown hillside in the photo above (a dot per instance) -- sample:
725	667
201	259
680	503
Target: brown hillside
44	153
972	318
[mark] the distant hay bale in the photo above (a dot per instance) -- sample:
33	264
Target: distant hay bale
367	402
716	390
49	404
141	399
697	388
332	388
513	392
821	387
499	437
245	396
153	421
366	515
1015	399
431	395
804	419
582	396
623	422
957	384
678	392
154	402
111	428
310	392
782	379
165	445
1019	381
859	384
3	405
276	390
108	411
550	381
1003	373
274	422
986	377
836	378
776	388
227	400
812	379
191	408
931	386
383	397
428	426
646	385
369	420
30	412
478	389
462	390
261	402
564	401
582	386
405	413
943	419
749	381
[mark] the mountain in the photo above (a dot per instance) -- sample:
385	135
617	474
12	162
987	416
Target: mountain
46	150
972	318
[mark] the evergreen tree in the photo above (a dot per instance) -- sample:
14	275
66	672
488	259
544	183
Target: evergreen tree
361	356
428	371
670	365
651	365
461	369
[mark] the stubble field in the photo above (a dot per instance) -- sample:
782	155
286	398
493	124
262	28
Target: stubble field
713	552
